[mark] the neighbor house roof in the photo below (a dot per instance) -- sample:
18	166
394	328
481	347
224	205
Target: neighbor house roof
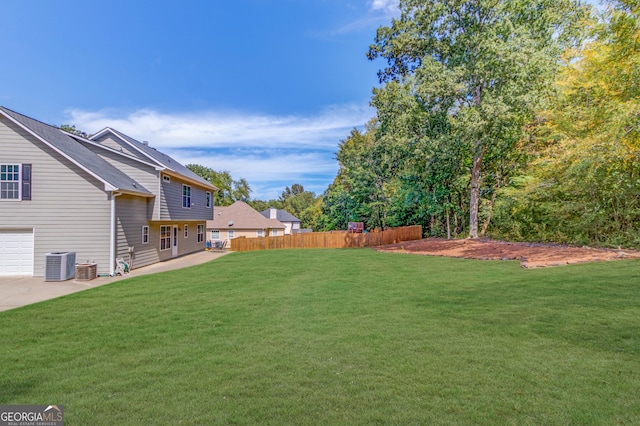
241	215
281	215
156	156
83	157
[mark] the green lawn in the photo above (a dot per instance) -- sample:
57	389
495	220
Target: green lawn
336	337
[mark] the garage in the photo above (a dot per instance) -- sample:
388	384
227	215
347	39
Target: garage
16	252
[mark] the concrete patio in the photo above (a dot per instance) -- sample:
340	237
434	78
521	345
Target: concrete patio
24	290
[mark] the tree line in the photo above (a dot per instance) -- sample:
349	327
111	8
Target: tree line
510	119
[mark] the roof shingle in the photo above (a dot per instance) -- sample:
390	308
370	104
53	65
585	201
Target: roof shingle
78	153
281	215
240	215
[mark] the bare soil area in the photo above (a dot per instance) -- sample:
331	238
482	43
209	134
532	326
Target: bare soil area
530	255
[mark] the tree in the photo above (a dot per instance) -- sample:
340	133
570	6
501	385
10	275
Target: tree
295	189
261	205
425	163
302	204
366	183
229	190
489	65
584	185
72	129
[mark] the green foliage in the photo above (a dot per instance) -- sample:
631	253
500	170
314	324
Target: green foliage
72	129
230	190
477	70
312	217
300	203
295	189
584	185
364	185
260	205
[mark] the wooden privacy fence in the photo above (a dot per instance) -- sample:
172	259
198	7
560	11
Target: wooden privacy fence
333	239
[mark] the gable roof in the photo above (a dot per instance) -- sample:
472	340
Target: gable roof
83	157
241	215
281	215
88	142
154	155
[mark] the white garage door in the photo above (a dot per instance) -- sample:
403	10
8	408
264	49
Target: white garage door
16	252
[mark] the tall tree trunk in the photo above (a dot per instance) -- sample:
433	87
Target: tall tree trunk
485	225
455	224
448	226
475	190
478	154
499	183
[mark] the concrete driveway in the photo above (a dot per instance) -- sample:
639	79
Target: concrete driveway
20	291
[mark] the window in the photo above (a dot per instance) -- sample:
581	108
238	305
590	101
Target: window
10	181
208	200
186	197
260	233
186	230
274	232
165	237
215	235
15	181
232	234
200	233
145	235
166	178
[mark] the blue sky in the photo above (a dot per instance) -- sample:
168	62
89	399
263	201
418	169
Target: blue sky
264	89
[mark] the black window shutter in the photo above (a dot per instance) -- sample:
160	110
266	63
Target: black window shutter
26	182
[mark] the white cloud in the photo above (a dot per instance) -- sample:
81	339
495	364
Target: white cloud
268	171
262	165
378	12
269	151
388	6
224	129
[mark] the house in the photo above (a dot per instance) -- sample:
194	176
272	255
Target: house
104	197
241	220
291	222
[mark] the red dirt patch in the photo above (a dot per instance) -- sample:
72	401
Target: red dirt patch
530	255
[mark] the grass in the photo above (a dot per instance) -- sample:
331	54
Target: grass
336	337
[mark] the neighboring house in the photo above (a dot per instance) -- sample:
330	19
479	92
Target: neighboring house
103	198
291	223
241	220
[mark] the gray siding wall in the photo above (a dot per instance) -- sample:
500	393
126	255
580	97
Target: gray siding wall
145	175
132	213
69	211
115	143
186	245
171	202
131	218
191	244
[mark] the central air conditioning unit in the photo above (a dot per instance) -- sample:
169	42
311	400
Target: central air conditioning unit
60	266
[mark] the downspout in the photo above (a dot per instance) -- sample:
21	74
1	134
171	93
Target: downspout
114	233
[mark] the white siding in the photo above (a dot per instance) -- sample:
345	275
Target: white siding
69	211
